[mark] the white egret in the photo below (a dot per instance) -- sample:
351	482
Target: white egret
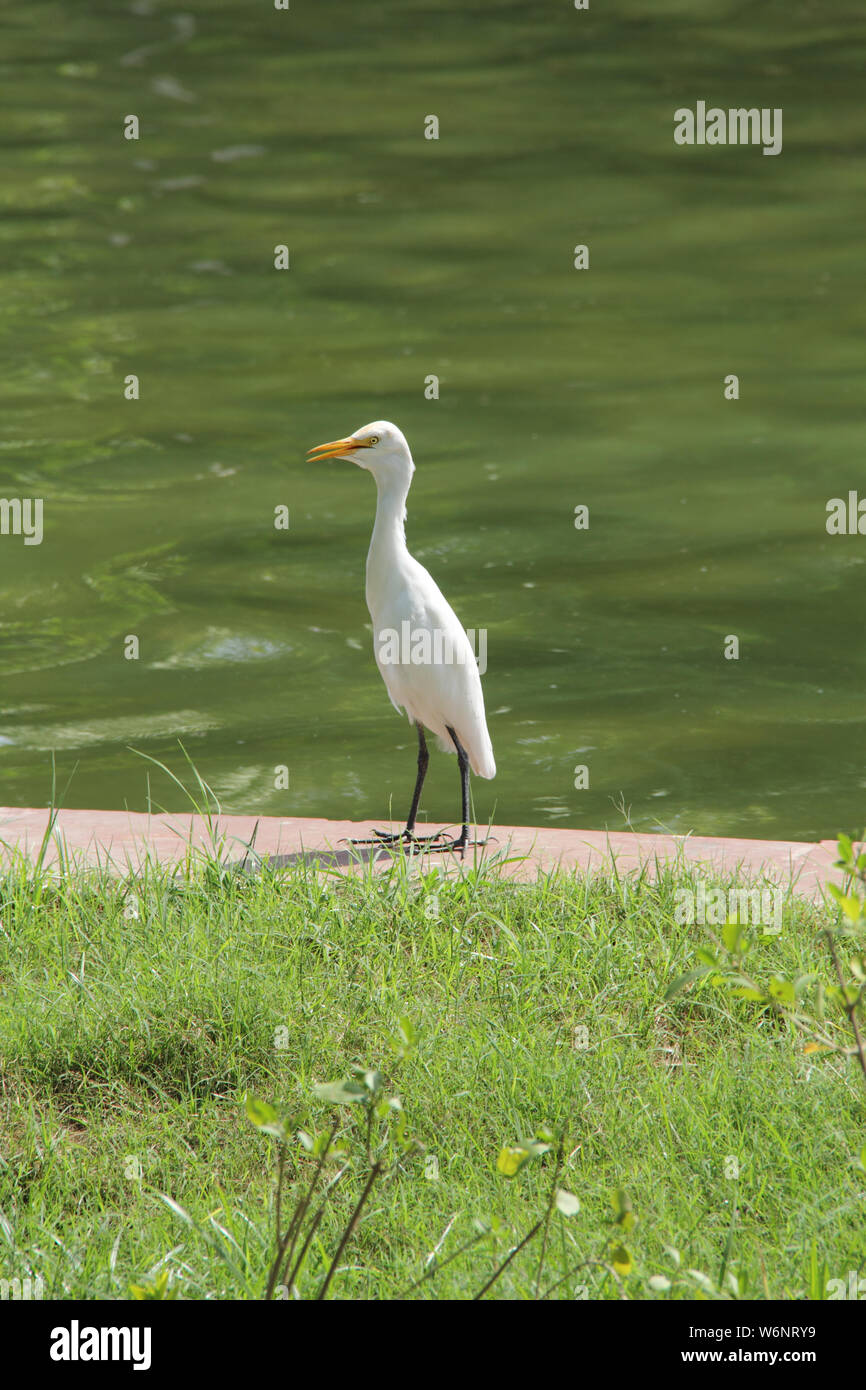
424	656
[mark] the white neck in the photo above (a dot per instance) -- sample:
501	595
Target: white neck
388	541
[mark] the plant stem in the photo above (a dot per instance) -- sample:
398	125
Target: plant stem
298	1215
547	1216
374	1173
507	1261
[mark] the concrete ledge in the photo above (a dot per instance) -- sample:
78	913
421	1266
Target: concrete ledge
120	840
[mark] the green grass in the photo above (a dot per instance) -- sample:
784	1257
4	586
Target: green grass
136	1015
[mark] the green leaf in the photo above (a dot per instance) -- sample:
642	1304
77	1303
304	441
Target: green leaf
620	1259
512	1157
660	1282
737	982
156	1291
510	1161
819	1001
680	983
264	1116
622	1207
400	1132
707	958
404	1040
407	1030
537	1145
733	936
374	1081
850	905
341	1092
259	1112
566	1202
781	989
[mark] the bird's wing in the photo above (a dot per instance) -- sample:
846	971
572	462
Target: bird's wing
441	688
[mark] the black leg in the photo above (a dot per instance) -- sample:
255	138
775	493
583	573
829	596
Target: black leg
460	845
408	836
464	789
423	760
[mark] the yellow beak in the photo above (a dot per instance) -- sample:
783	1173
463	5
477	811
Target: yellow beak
337	449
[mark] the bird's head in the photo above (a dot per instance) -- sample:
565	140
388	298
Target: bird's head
379	447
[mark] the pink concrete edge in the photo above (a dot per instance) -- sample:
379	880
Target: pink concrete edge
120	840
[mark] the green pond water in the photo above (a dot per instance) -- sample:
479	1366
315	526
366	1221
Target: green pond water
558	387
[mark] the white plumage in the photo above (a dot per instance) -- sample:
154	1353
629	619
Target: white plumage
422	651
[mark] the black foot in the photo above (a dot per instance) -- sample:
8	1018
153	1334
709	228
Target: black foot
404	837
458	846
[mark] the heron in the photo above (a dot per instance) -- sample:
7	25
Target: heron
422	651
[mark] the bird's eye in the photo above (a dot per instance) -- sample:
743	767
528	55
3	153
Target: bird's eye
374	439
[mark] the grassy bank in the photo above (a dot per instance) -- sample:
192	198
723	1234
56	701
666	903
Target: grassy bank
136	1017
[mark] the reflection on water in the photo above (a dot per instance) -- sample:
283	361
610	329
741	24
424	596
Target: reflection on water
558	388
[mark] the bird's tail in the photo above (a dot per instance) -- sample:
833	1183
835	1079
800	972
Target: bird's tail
479	751
481	759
